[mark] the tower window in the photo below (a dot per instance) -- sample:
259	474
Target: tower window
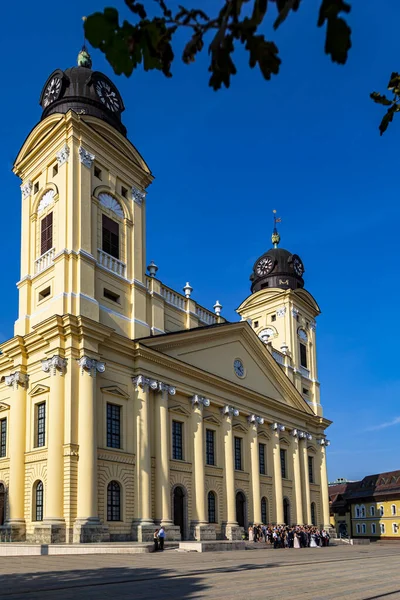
110	237
273	318
46	233
55	170
255	324
124	191
97	173
36	188
306	391
111	296
44	293
303	356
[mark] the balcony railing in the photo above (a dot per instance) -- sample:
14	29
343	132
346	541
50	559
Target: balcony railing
304	372
280	358
45	260
111	264
205	316
173	298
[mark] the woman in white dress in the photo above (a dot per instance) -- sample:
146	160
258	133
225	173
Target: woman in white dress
313	542
296	541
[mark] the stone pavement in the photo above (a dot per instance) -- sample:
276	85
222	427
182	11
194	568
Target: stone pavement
353	572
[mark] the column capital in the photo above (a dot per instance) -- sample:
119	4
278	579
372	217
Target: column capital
277	427
15	379
138	196
301	435
86	157
255	420
229	411
140	381
91	366
26	189
63	155
54	364
323	442
199	401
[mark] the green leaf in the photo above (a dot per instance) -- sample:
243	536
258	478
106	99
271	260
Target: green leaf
264	53
338	40
284	7
380	99
222	65
100	27
388	118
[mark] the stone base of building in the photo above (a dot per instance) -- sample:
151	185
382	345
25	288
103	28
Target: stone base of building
13	531
172	533
202	533
143	532
232	532
50	533
90	531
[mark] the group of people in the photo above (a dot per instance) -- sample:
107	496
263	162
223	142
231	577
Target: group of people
283	536
159	538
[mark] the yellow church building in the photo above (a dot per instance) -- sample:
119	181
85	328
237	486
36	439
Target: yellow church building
124	404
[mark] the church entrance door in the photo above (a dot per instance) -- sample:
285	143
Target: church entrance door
179	510
286	511
240	509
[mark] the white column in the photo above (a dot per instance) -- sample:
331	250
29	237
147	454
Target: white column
254	421
16	489
305	482
162	487
324	483
277	474
297	487
231	524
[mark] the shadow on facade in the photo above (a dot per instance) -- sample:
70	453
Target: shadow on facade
118	582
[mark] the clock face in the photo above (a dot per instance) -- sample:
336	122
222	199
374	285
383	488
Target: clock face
108	95
52	91
264	266
298	266
239	368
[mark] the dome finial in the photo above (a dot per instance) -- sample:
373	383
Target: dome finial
84	58
276	238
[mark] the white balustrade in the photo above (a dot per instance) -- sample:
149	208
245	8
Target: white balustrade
205	316
111	263
278	357
45	260
173	298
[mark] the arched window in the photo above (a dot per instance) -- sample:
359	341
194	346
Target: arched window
382	526
395	528
363	528
393	510
313	513
2	504
212	512
363	510
38	501
381	511
264	510
358	528
357	511
113	501
372	511
373	528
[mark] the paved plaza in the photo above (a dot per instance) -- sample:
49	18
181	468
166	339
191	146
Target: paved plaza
358	573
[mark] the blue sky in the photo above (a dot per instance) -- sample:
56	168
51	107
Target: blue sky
305	143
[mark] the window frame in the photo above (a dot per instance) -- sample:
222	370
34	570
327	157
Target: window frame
303	355
283	463
382	528
393	510
111	246
261	458
372	511
364	528
3	437
40	424
176	422
210	447
114	509
111	434
310	461
39	505
358	528
212	510
381	511
264	510
238	447
373	528
46	233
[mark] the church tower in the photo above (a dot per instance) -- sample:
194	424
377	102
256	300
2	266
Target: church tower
283	314
83	196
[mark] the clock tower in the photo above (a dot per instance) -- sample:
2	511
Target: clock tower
282	313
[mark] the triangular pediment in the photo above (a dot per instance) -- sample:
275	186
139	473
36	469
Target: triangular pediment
215	349
39	389
212	420
239	427
4	406
179	410
263	435
114	390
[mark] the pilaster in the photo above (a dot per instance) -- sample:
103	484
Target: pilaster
254	421
323	477
277	474
305	482
230	528
297	487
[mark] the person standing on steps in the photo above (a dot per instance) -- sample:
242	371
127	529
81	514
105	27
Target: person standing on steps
161	538
156	540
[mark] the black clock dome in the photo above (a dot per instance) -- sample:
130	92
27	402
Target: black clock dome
277	268
84	91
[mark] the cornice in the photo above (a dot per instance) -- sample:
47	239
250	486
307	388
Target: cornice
119	457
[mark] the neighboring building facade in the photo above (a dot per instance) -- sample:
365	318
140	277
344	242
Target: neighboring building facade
368	508
123	403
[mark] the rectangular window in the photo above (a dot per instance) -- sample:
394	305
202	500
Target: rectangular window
238	454
97	173
110	237
3	438
46	233
210	446
124	192
113	426
303	356
177	440
310	469
36	188
273	318
40	424
261	457
111	296
55	170
44	293
283	463
255	324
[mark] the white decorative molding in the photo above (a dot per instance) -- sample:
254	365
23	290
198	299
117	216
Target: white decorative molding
63	155
26	189
45	201
313	325
302	335
323	442
278	427
229	411
16	379
111	203
44	261
111	263
297	433
138	196
281	312
295	313
200	401
54	364
255	420
91	366
140	381
86	157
